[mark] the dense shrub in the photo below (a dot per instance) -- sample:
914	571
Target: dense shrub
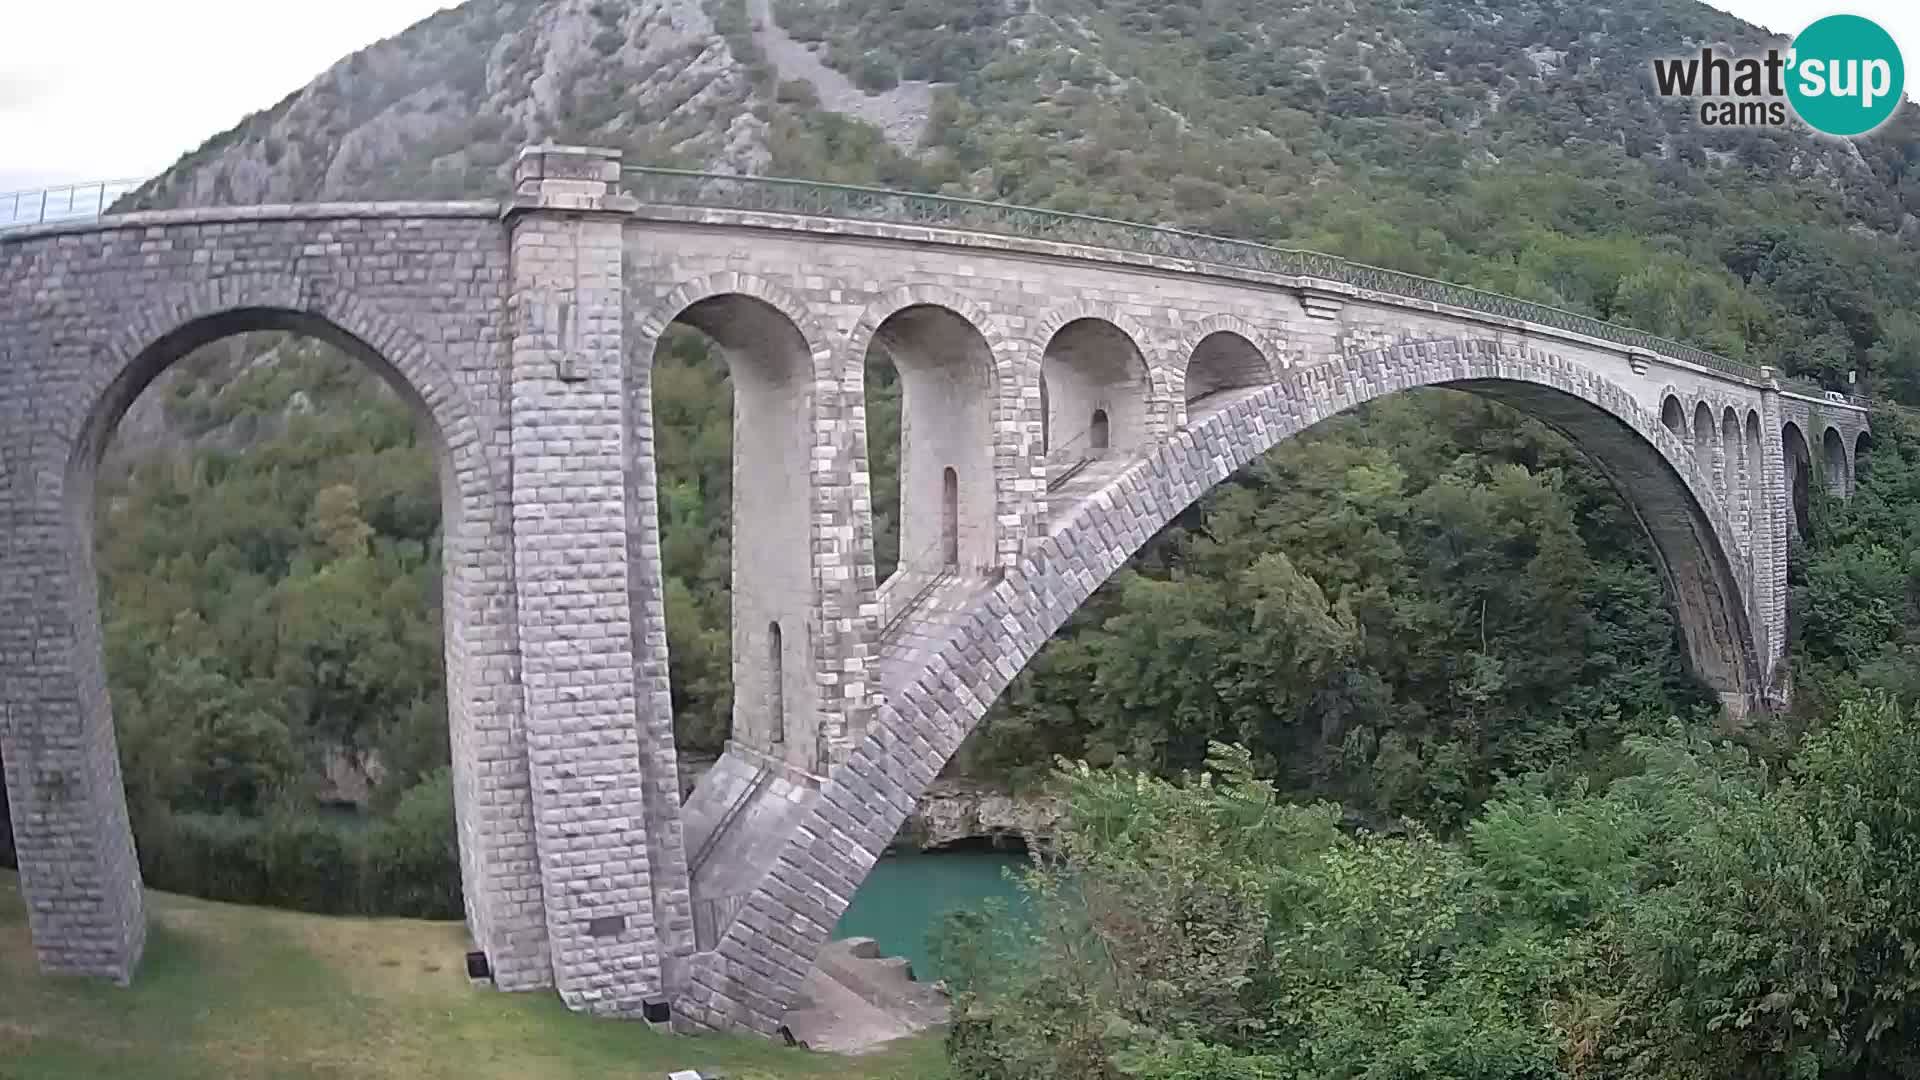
405	864
1706	915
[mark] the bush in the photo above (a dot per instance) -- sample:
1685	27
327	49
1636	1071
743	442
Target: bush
878	71
404	865
797	92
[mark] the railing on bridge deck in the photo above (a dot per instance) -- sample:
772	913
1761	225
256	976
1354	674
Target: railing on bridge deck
71	202
680	187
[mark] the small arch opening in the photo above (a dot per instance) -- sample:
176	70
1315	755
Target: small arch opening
1731	477
1223	360
1799	467
1862	458
1091	367
776	686
950	517
1833	463
1097	430
931	388
1672	417
1702	431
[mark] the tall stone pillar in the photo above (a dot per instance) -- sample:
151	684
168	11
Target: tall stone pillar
79	873
608	890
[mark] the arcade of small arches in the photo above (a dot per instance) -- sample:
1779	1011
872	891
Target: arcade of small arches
1732	449
1058	406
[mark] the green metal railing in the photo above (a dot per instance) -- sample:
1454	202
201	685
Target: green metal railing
848	202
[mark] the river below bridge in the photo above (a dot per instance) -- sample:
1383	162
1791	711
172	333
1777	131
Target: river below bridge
906	895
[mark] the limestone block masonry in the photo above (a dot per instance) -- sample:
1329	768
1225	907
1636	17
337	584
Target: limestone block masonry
567	413
1064	402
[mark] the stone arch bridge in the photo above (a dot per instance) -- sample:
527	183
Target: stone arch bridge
1069	384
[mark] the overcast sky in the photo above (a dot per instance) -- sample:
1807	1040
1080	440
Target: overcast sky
104	89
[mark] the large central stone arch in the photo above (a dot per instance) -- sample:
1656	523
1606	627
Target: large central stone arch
757	969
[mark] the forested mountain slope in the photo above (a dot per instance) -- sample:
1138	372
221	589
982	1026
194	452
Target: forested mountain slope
1453	593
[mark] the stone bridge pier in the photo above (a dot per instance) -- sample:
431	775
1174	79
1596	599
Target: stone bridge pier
502	324
1067	386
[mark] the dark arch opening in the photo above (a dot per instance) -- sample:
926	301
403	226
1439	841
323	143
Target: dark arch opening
1703	440
1223	360
950	517
1733	460
1833	453
1092	367
1672	417
938	421
1756	458
1097	431
735	518
1862	458
1799	468
776	689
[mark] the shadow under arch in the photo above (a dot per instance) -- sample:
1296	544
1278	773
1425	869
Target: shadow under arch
927	713
1222	360
949	393
1091	365
1799	472
1833	462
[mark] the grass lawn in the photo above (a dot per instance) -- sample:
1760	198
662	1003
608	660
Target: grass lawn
229	991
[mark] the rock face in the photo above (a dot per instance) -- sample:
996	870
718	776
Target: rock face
900	113
958	812
439	110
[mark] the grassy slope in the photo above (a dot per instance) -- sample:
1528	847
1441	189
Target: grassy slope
233	991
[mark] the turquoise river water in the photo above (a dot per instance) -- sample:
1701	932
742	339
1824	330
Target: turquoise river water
906	895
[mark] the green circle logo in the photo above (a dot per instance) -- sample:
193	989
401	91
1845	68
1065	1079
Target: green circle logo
1845	76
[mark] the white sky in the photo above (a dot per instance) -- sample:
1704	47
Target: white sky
106	89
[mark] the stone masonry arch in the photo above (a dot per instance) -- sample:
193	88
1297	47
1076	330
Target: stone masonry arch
757	968
97	884
652	321
1267	353
786	392
165	329
1003	438
1159	403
